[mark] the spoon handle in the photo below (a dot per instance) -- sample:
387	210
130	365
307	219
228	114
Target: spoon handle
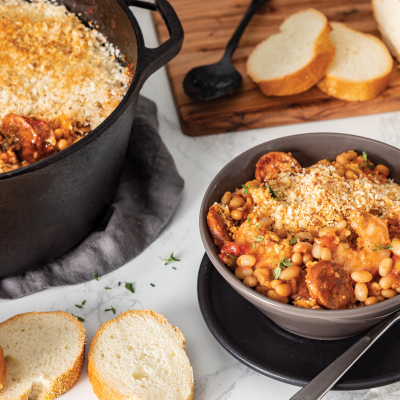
231	47
323	382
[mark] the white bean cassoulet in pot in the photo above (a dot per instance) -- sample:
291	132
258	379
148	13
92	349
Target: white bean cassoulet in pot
58	80
323	237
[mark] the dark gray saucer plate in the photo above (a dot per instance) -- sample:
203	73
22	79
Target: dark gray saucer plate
257	342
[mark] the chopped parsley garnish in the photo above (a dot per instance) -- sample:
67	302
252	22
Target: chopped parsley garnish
366	164
119	283
283	264
111	309
79	306
259	238
293	240
79	318
173	268
245	189
378	248
248	221
152	284
107	287
273	193
255	225
95	277
390	247
171	258
129	286
83	302
254	246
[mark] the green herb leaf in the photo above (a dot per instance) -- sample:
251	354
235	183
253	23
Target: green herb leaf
390	247
111	309
83	302
119	283
246	189
79	306
152	284
95	277
259	238
378	248
256	227
293	240
79	318
129	286
364	156
108	288
277	272
273	193
173	268
285	262
171	258
248	220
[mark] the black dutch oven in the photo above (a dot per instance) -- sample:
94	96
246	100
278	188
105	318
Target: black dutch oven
48	207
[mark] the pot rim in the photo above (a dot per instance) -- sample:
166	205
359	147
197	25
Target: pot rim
371	312
110	120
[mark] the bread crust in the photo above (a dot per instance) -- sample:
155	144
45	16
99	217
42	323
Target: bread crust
305	78
100	388
348	90
3	368
64	382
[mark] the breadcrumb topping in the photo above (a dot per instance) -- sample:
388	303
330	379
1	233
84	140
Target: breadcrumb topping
51	63
318	197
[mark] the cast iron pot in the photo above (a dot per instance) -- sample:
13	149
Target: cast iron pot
307	149
48	207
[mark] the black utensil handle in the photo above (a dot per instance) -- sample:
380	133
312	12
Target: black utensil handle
150	60
324	381
232	44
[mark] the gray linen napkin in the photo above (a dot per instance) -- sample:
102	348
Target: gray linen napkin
133	221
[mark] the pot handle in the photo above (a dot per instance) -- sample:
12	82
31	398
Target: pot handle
150	60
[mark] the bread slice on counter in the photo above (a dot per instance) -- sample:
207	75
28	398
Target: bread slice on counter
44	353
140	356
387	15
296	58
3	368
362	66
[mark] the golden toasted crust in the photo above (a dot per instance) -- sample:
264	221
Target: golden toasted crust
100	389
3	368
354	91
305	78
64	382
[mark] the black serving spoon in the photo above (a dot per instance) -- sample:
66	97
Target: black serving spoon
325	380
212	81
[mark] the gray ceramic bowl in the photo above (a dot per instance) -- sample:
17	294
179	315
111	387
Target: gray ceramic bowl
307	149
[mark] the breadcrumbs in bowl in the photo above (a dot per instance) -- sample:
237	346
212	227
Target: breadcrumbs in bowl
315	227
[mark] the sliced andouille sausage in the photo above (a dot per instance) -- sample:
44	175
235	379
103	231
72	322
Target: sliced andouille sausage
330	285
34	137
217	226
270	165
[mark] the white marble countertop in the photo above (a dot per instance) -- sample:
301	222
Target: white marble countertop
218	376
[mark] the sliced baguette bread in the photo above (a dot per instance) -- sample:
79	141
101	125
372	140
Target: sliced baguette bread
296	58
362	66
44	353
3	369
140	356
387	15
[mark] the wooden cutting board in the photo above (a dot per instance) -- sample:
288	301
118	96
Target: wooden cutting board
208	25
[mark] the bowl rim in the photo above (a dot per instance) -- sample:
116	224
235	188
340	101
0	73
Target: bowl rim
376	311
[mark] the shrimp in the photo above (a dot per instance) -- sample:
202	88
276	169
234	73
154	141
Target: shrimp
373	238
264	245
270	165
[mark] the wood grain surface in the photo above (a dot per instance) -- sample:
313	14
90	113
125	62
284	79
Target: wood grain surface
208	25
